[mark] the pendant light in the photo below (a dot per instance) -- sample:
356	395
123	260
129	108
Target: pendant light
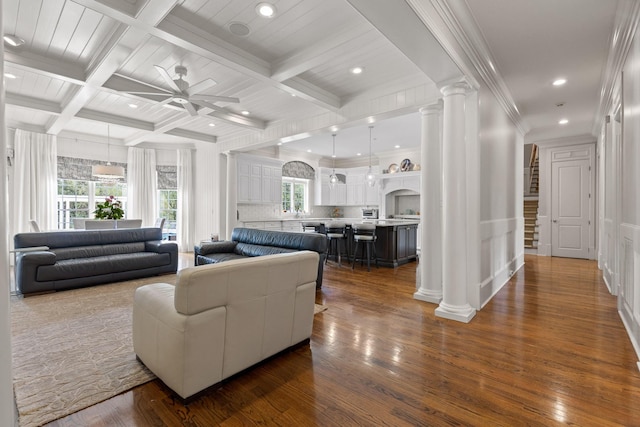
108	173
333	178
371	178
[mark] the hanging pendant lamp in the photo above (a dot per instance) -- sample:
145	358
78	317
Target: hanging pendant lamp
108	173
333	178
370	178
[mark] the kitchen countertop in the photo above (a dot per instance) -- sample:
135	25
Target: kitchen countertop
380	222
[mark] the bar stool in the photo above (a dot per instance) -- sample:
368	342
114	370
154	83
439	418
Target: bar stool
336	236
364	234
310	226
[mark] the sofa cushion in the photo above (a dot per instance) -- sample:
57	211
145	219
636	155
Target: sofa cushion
94	266
248	249
216	258
98	250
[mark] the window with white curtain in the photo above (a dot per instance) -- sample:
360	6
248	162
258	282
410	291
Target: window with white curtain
168	208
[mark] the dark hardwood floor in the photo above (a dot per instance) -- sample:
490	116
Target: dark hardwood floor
549	349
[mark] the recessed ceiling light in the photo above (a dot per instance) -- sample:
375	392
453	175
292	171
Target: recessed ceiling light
10	76
212	124
133	106
563	121
397	146
309	150
357	70
266	10
358	154
559	82
279	143
245	113
12	40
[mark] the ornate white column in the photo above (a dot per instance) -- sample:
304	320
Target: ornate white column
430	284
232	193
455	303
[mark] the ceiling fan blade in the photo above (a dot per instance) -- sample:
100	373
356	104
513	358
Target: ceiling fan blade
207	104
150	93
167	78
214	98
190	108
202	86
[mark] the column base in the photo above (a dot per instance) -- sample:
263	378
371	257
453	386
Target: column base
428	296
458	313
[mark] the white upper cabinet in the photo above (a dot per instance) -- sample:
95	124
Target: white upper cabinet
353	192
259	179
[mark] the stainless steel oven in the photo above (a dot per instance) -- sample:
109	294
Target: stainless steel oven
369	213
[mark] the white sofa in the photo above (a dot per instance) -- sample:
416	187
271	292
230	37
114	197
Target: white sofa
220	319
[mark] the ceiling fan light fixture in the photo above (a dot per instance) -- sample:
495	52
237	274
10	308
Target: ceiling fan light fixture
180	99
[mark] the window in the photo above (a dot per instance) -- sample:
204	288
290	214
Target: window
295	195
78	199
168	207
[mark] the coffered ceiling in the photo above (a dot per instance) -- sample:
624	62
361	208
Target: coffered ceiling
291	72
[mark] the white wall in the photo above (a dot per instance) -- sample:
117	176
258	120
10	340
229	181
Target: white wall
501	204
627	196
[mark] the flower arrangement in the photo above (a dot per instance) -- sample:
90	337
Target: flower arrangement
109	209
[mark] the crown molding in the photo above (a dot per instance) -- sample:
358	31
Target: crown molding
624	29
460	36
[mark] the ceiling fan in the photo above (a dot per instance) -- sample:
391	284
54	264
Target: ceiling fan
186	95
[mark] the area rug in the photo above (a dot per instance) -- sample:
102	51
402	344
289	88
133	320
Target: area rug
73	349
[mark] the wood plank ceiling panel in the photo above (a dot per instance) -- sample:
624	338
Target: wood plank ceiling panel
68	22
48	17
32	84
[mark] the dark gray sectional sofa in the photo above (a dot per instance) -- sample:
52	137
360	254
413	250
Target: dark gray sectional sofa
248	242
82	258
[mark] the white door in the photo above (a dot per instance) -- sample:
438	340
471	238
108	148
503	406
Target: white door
570	203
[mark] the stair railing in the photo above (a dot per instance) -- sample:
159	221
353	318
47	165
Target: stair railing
532	162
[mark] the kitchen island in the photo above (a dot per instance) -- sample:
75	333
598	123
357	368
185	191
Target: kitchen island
396	242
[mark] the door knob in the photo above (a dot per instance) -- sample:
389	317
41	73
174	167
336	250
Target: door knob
555	220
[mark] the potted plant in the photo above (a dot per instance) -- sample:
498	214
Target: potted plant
111	208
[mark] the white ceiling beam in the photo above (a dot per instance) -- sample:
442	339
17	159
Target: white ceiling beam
183	133
194	39
107	62
325	50
32	103
99	116
427	54
52	67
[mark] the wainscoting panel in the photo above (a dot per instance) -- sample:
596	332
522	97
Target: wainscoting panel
502	254
629	296
608	256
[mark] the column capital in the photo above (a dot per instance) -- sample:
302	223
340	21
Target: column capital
457	88
435	108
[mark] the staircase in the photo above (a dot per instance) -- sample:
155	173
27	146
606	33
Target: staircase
534	184
531	224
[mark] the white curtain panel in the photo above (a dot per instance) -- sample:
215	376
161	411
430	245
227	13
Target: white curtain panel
185	225
142	186
35	181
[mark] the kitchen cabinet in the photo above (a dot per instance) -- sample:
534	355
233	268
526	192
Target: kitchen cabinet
396	244
327	196
353	192
259	180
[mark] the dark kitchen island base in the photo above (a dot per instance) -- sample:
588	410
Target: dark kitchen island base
396	243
